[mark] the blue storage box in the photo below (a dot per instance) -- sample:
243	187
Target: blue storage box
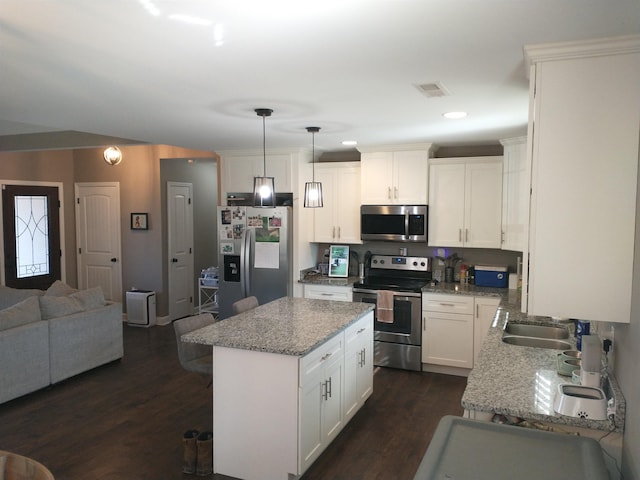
491	276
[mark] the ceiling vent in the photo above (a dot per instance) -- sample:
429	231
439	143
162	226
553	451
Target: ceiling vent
432	90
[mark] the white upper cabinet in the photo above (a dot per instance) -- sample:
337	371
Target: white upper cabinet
395	175
584	175
339	219
239	169
465	202
515	194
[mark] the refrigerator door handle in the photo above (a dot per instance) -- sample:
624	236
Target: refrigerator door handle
246	260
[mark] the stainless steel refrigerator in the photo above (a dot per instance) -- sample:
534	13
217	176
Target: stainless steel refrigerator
254	254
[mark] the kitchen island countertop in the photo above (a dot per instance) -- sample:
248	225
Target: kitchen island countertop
287	326
520	381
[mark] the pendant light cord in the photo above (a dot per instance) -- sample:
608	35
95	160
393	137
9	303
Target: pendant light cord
264	148
313	156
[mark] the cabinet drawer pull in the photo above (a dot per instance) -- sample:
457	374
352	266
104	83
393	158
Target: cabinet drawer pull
389	193
466	234
447	304
460	235
395	192
360	331
329	388
325	356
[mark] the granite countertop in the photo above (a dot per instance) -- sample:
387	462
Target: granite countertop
317	279
521	381
287	326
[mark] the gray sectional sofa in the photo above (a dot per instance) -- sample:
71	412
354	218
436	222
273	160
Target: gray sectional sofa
48	336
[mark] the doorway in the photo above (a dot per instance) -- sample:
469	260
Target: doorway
31	235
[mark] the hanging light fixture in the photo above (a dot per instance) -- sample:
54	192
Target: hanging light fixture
264	194
112	155
313	189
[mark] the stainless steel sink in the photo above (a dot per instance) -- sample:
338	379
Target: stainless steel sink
539	336
538	342
538	331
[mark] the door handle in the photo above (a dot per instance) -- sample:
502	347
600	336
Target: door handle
174	260
114	259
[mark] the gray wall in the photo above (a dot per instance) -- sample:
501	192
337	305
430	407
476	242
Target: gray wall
627	358
143	256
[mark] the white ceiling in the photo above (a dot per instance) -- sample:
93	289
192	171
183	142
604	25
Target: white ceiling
133	69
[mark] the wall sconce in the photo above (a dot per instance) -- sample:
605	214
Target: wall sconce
112	155
264	193
313	189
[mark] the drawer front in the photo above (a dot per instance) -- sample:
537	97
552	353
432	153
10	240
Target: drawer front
328	292
462	304
313	363
359	330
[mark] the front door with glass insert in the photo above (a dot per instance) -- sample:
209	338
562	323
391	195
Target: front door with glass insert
30	216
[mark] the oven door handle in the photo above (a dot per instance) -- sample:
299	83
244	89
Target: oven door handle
395	294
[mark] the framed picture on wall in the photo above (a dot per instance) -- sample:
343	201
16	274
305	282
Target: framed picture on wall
139	221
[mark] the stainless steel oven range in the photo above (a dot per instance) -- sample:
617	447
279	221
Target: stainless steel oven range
394	284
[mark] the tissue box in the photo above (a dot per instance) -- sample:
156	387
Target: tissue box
491	276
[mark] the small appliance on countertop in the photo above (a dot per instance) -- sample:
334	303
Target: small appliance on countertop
491	276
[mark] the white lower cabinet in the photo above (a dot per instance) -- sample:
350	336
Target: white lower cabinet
485	312
321	399
358	366
275	414
328	292
454	327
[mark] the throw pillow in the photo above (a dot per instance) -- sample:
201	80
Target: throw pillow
90	298
26	311
10	296
60	289
54	307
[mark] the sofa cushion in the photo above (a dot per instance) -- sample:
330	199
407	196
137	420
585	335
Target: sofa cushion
10	296
90	298
26	311
59	289
54	307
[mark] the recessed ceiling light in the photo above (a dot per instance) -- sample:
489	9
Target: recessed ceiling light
349	143
453	115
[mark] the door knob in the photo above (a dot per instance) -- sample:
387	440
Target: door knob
174	260
114	259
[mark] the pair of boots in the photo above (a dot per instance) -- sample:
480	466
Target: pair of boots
198	452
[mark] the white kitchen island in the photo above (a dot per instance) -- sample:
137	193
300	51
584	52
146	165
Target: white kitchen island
287	376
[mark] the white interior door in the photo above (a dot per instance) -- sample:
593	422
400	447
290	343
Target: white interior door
98	238
180	248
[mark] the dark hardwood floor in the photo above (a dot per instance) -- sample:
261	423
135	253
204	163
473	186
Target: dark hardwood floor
125	420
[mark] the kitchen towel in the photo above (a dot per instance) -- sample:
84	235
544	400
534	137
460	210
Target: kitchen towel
384	306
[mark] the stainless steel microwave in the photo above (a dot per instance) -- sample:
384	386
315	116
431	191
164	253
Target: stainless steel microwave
394	223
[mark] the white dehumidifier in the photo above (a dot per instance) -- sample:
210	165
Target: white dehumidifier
141	308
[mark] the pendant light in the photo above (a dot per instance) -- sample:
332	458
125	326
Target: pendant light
264	194
313	189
